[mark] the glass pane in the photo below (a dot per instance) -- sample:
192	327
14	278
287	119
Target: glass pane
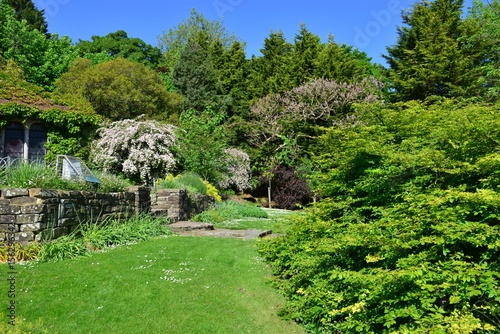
37	140
14	141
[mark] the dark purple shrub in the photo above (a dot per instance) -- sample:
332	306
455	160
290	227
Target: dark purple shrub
289	190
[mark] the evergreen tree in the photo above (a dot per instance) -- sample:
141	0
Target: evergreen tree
233	77
343	63
270	73
196	77
26	10
172	43
429	57
484	22
305	51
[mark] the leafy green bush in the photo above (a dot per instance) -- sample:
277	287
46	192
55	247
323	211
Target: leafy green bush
115	232
188	181
406	237
65	247
229	210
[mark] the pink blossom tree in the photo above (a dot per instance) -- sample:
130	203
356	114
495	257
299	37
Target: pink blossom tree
285	125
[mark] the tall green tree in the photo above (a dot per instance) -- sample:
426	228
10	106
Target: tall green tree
202	143
484	21
231	66
42	59
270	73
26	10
195	76
119	44
344	63
429	57
173	41
306	49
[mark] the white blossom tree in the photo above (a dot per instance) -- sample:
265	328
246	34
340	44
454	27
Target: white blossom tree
238	173
139	149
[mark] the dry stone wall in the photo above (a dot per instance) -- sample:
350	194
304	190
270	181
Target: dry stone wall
178	204
28	215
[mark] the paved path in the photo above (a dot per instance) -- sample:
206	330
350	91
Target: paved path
205	229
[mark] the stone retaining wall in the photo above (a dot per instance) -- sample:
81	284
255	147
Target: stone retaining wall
178	204
33	214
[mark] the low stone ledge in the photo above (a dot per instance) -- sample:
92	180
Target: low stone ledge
43	193
14	192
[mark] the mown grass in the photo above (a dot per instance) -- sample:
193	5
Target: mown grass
166	285
238	216
229	210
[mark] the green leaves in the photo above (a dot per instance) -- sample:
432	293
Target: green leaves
430	57
406	237
119	89
42	59
202	143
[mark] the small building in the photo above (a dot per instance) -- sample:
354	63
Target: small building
23	141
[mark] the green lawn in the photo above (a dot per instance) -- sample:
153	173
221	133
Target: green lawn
167	285
276	219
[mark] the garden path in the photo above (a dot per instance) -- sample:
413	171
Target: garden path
204	229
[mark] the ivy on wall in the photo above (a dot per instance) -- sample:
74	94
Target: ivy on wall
68	131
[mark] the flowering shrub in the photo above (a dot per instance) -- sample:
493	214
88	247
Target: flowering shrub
212	191
139	149
238	172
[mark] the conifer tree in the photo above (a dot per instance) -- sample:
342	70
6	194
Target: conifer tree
26	10
195	76
270	73
343	63
484	22
429	57
305	51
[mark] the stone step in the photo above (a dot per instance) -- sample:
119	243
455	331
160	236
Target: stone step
184	226
189	228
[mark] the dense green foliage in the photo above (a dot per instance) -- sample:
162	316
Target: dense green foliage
201	143
175	40
195	76
406	236
119	45
26	10
119	89
42	59
189	181
440	53
485	20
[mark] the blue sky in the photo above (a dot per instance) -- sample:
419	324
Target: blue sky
369	25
